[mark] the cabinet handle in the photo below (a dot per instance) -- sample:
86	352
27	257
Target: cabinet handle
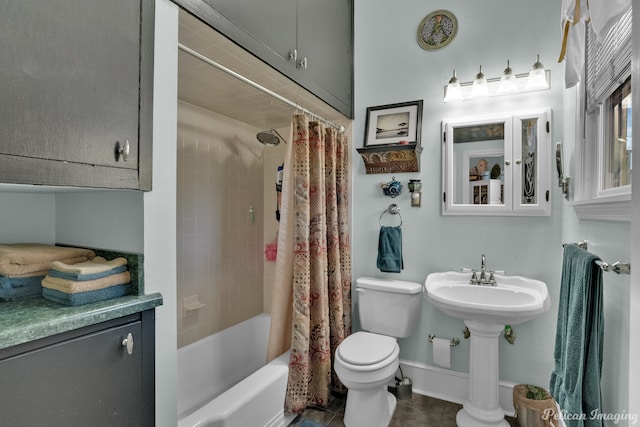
507	163
303	63
293	55
518	162
122	150
128	343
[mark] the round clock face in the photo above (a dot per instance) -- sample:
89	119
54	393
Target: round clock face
437	30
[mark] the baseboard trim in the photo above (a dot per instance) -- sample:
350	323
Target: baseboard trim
449	385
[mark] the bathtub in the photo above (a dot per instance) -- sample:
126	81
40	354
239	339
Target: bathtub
223	380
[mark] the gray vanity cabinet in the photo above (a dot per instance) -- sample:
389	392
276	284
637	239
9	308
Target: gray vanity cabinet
309	41
82	378
76	87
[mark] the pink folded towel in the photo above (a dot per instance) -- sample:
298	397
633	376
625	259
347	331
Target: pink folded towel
35	259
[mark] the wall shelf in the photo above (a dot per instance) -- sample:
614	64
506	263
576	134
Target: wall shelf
395	158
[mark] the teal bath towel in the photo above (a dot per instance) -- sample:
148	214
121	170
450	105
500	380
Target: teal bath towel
390	250
575	380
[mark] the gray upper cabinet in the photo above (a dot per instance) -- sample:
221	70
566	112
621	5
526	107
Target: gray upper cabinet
325	49
309	41
270	24
76	87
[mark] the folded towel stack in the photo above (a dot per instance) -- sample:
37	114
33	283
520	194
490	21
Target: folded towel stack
87	282
24	265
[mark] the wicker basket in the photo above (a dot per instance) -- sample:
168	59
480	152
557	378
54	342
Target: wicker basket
534	413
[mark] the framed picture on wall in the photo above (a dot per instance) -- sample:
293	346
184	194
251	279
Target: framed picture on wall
393	124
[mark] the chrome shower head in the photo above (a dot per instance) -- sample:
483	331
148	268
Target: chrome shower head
269	138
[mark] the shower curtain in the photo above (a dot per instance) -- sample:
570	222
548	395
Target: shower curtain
311	306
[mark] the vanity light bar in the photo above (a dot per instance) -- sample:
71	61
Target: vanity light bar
493	85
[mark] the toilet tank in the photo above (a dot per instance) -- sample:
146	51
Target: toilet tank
388	307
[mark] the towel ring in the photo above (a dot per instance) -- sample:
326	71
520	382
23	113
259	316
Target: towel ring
393	209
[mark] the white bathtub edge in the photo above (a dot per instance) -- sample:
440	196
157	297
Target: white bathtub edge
260	389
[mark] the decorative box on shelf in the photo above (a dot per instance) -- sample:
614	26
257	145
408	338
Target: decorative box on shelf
392	158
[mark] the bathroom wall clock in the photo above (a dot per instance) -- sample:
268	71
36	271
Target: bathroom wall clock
437	30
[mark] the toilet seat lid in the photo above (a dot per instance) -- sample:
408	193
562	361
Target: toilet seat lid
365	348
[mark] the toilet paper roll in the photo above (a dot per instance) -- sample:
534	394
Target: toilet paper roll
442	352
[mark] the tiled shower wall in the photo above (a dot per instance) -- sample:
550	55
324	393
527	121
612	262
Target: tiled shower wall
220	241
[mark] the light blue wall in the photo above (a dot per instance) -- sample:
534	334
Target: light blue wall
390	67
101	219
27	217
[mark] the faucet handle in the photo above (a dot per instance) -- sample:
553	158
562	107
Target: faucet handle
474	278
492	280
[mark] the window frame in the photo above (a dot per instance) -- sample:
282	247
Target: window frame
590	201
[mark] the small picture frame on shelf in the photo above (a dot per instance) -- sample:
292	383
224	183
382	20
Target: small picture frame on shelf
393	124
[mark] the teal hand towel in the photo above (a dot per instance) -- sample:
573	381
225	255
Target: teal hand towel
390	250
20	288
86	297
575	380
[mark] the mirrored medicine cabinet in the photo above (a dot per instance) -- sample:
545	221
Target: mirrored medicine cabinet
497	165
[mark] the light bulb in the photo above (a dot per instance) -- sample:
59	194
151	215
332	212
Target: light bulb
480	88
454	92
507	81
537	77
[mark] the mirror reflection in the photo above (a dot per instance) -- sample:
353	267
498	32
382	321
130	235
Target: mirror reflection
479	154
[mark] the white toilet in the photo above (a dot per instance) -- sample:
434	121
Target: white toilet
366	362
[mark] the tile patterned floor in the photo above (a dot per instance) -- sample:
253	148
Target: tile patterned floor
419	411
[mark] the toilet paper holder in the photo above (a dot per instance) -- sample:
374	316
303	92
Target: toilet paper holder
454	341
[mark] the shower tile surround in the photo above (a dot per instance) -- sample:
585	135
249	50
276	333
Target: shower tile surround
220	247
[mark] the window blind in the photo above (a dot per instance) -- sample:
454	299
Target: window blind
607	63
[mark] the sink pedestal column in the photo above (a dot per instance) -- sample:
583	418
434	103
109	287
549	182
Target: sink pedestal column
482	409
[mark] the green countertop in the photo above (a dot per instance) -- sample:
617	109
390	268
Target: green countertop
29	320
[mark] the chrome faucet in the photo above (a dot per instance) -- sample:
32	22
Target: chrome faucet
483	278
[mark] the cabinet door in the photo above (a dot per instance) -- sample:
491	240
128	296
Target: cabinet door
87	381
269	24
477	151
325	39
531	173
71	87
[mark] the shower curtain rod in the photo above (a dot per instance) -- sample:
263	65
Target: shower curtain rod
238	76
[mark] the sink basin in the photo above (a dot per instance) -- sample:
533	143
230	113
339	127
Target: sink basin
514	300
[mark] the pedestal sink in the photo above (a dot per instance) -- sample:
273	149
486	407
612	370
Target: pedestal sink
485	310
